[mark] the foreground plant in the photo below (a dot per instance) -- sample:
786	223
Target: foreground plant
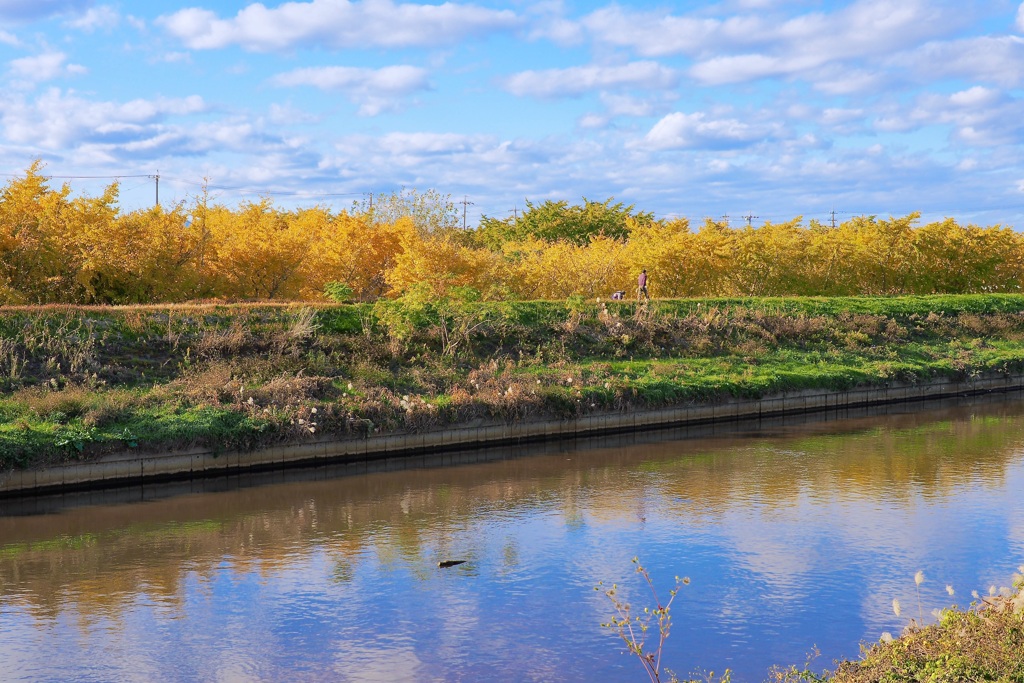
634	629
984	642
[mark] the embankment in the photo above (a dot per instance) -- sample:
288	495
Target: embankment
131	466
107	394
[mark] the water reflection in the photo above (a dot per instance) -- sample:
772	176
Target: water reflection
794	535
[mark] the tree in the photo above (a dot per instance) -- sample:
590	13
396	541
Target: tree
430	211
553	221
259	252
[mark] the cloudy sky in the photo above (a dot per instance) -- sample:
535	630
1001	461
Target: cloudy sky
762	108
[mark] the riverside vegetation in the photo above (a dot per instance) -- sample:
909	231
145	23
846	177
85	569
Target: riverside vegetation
56	248
984	642
76	382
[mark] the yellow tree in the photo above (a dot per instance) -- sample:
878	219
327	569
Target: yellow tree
257	252
34	257
958	259
886	256
832	256
713	251
146	256
680	263
771	260
441	262
557	270
351	249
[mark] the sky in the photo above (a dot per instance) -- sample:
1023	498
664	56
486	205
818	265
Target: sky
759	110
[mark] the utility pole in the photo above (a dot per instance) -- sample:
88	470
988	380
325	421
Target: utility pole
725	219
157	179
749	217
465	204
833	219
515	213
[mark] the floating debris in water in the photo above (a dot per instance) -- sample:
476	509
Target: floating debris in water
444	564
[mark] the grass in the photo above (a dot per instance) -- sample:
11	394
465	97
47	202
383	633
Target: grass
966	645
984	642
79	382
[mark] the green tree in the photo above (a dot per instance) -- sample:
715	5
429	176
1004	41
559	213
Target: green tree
553	221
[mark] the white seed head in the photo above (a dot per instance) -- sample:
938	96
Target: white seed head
949	589
896	606
919	577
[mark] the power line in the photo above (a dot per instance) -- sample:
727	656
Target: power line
83	177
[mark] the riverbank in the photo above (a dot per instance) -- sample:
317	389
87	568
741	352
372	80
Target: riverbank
82	385
132	466
983	642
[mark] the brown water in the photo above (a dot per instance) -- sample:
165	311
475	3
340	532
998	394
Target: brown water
794	536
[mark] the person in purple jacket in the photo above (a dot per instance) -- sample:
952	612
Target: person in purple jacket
641	285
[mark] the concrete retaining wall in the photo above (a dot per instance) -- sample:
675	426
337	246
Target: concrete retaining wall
133	466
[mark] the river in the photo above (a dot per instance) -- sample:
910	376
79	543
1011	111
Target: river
794	535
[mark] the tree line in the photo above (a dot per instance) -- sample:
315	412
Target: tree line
56	248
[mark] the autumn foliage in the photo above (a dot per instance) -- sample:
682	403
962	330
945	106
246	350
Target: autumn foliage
57	248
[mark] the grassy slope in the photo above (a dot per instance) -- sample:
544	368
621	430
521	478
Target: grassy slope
75	382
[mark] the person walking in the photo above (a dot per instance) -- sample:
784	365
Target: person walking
641	285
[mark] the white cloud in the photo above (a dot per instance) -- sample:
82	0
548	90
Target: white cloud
561	31
834	47
57	120
975	117
838	116
974	97
29	10
102	17
865	29
176	57
336	24
998	60
375	90
650	34
44	67
575	81
1020	18
859	29
626	105
592	121
548	21
432	144
697	131
288	115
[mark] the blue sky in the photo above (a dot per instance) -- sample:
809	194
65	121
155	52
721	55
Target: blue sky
767	108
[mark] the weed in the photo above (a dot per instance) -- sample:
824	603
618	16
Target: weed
634	628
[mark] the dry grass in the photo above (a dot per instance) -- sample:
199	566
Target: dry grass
981	644
218	344
71	402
